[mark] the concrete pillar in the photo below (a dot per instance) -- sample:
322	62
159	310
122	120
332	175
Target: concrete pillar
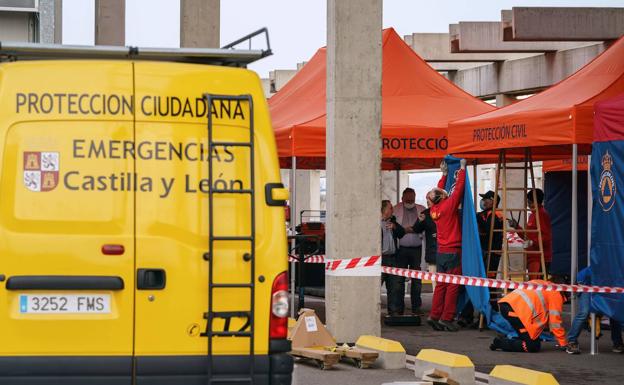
503	100
58	22
47	21
200	23
353	171
110	22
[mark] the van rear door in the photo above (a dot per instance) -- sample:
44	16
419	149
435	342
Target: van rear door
66	221
172	224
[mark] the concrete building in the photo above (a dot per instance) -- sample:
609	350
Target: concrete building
40	21
32	21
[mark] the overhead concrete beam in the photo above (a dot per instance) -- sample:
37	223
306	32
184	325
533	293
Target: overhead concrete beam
487	36
435	47
526	75
455	66
563	24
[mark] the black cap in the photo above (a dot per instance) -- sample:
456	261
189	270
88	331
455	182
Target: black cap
489	195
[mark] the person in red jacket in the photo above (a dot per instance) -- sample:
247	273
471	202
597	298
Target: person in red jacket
534	263
445	213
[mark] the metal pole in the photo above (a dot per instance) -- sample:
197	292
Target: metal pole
589	209
398	186
293	218
474	183
574	240
593	345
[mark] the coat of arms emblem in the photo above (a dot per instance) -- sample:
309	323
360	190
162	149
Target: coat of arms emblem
607	183
41	170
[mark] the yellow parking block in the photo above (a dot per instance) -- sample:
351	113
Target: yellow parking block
391	353
440	357
380	344
508	374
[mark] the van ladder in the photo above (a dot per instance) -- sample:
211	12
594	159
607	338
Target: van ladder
247	331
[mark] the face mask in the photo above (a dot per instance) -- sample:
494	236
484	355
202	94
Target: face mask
409	206
482	204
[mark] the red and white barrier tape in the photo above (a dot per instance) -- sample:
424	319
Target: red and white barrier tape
308	258
375	260
496	283
343	264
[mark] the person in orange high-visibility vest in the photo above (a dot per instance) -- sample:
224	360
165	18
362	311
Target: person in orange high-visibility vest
530	312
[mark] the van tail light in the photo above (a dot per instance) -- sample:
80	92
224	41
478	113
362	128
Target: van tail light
278	325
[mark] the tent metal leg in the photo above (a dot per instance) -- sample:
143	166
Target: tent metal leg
474	183
574	240
293	219
592	346
398	186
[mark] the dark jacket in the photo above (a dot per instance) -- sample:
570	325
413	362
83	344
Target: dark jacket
428	226
484	222
397	233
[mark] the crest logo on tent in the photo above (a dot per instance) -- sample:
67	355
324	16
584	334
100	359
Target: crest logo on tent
41	170
607	183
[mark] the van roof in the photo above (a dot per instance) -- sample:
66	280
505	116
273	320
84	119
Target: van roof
225	56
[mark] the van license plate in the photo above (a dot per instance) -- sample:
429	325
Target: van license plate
65	304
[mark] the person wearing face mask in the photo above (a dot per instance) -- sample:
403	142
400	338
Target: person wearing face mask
484	222
409	254
391	232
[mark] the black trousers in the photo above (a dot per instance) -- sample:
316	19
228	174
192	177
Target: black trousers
395	285
409	258
524	342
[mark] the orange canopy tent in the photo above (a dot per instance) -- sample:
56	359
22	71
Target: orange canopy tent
549	122
417	104
553	124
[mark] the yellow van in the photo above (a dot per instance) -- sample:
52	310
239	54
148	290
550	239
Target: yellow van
142	235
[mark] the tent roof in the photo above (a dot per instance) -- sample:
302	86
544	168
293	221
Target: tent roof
549	122
417	104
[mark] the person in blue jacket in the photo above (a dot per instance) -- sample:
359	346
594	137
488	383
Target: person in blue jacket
584	278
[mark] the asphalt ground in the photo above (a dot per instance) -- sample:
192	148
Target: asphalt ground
604	368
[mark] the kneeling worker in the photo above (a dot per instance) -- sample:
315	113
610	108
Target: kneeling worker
529	312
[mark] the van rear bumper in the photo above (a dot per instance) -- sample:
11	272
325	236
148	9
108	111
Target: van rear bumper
271	369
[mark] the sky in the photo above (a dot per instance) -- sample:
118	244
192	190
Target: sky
297	28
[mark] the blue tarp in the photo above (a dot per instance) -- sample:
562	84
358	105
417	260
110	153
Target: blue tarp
557	199
607	239
472	257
